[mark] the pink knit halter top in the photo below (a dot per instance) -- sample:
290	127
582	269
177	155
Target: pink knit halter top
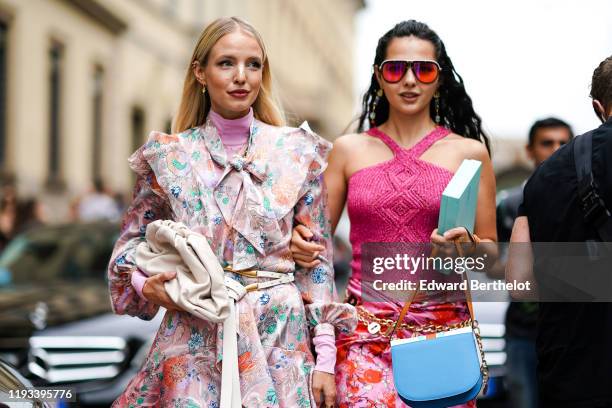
397	200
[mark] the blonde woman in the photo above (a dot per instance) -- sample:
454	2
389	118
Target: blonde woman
233	173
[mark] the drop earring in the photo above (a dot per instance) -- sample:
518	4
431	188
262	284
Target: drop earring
203	89
437	107
379	95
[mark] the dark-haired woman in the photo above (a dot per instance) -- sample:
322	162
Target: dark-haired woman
421	127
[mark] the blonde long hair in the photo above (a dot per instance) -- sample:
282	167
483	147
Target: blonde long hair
194	106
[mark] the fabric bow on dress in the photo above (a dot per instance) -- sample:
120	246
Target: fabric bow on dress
247	214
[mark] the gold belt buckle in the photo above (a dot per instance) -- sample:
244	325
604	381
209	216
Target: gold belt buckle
253	273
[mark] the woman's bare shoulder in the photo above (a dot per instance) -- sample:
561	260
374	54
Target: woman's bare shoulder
470	148
353	142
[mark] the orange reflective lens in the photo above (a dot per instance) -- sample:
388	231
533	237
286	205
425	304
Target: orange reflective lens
424	71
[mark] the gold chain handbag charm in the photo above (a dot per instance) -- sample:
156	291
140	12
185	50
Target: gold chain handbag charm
371	321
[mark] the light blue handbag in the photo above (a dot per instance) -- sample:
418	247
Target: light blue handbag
439	369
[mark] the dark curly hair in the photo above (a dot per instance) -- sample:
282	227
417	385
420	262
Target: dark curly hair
456	110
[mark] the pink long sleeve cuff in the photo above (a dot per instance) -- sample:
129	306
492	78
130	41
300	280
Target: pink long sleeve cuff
325	347
138	281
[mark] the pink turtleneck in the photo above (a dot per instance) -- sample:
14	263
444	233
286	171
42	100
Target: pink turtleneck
234	134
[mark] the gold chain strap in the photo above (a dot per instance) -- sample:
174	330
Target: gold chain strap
484	368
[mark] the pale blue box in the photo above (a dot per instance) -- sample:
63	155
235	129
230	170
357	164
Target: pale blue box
460	197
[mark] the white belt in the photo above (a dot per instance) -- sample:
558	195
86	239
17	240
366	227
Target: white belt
230	378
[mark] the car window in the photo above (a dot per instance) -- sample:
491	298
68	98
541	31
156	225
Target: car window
71	252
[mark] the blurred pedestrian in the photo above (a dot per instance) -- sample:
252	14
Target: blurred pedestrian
98	205
8	212
30	214
573	340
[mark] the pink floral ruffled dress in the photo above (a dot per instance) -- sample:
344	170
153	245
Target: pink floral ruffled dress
246	206
394	201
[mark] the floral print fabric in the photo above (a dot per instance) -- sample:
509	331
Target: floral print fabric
364	374
247	214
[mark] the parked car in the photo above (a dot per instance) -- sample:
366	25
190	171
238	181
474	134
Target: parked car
11	381
56	322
